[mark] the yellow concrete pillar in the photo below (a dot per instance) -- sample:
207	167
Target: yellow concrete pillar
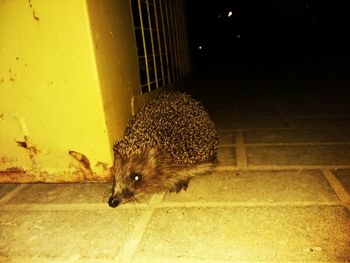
68	71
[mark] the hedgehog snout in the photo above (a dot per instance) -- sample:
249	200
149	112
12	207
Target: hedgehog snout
125	195
114	201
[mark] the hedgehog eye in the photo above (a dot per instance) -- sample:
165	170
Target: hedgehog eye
136	177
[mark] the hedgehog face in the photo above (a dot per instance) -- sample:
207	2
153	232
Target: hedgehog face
133	176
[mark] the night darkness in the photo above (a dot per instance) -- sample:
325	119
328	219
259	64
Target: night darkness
269	34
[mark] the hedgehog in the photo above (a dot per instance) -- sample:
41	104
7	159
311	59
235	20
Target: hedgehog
169	141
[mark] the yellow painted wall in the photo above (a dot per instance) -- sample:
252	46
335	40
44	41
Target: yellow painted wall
68	70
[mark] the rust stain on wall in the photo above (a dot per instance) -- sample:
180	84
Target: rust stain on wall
83	169
81	158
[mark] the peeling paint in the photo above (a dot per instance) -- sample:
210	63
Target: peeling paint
83	169
33	11
14	169
104	166
102	169
81	158
18	176
12	176
22	144
79	169
8	161
32	150
25	144
23	125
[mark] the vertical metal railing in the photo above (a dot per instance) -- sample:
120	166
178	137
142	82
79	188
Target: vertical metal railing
160	31
144	47
160	50
165	44
154	80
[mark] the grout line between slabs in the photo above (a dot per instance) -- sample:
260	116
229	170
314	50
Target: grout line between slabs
230	168
328	116
195	260
135	237
284	129
51	259
296	144
12	193
289	107
238	204
337	187
285	118
62	207
146	216
29	259
241	155
226	145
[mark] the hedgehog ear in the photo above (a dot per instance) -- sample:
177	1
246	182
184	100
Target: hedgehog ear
152	157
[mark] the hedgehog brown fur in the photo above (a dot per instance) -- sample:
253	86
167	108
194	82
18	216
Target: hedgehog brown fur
163	147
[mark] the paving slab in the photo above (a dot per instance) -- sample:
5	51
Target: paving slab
6	188
226	137
257	186
298	155
63	193
343	175
41	259
226	156
65	234
272	234
297	136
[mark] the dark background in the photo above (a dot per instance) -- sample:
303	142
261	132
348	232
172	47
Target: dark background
269	35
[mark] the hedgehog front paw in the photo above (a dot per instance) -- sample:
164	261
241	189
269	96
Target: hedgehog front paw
181	184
